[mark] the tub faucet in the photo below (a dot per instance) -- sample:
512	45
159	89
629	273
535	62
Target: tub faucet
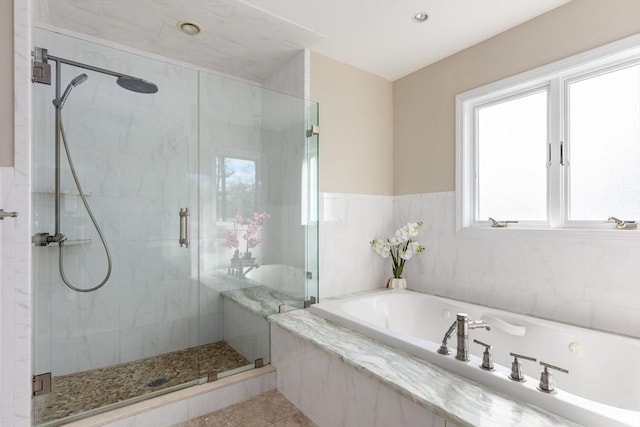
462	324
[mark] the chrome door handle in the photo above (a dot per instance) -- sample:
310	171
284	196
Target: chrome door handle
184	228
4	214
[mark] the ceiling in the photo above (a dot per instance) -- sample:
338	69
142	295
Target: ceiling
381	36
253	38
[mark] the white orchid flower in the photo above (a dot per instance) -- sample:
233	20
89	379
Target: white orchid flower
377	245
413	229
402	235
416	247
406	255
386	250
400	247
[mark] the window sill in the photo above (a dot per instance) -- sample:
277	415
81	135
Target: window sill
547	233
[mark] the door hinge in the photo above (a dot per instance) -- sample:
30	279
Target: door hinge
40	73
308	303
314	130
41	384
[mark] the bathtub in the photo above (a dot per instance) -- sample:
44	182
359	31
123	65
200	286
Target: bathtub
601	389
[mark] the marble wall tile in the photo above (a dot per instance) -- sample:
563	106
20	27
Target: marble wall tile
290	77
234	38
138	342
313	380
246	332
589	282
99	350
575	280
15	289
348	222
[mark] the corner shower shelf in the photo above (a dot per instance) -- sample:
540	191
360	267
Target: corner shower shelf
76	242
63	193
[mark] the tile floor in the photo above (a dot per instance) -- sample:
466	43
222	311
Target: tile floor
270	409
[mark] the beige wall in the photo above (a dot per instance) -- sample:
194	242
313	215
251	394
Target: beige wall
6	83
356	128
424	101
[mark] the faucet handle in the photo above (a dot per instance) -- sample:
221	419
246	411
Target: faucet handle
547	384
487	358
516	368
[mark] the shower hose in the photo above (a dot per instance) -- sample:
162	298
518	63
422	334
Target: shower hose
93	219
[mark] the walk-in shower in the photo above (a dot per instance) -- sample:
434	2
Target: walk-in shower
112	171
133	84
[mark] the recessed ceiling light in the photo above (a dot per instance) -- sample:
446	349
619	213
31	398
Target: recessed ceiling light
189	27
421	16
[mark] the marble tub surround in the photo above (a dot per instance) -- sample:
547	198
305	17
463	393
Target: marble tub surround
269	409
572	278
585	279
447	397
84	391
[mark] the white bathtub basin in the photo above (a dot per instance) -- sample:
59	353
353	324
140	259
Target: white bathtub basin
601	389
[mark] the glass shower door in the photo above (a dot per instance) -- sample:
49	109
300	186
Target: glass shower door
312	201
136	156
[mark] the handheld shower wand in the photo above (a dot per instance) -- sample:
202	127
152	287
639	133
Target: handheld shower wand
59	102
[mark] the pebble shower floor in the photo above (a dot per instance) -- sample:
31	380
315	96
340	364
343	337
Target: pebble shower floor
84	391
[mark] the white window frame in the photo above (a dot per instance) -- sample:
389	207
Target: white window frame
555	77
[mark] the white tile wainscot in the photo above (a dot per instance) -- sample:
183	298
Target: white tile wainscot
348	222
321	365
589	280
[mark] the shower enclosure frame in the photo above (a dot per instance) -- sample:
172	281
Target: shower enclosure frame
310	232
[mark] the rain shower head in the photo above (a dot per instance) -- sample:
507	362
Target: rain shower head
136	84
59	102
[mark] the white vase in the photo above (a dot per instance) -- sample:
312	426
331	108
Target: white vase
397	283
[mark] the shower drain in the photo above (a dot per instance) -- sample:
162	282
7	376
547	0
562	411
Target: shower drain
157	382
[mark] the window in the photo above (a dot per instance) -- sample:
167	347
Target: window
556	147
511	142
603	139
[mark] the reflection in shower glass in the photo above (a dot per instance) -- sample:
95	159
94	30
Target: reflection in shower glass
236	187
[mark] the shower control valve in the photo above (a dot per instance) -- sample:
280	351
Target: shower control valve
547	385
44	239
516	367
41	239
487	357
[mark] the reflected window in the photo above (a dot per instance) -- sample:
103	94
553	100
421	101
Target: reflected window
236	181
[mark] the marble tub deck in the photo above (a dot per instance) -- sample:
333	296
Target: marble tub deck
262	300
84	391
446	394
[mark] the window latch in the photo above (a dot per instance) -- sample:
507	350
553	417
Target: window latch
500	224
623	225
